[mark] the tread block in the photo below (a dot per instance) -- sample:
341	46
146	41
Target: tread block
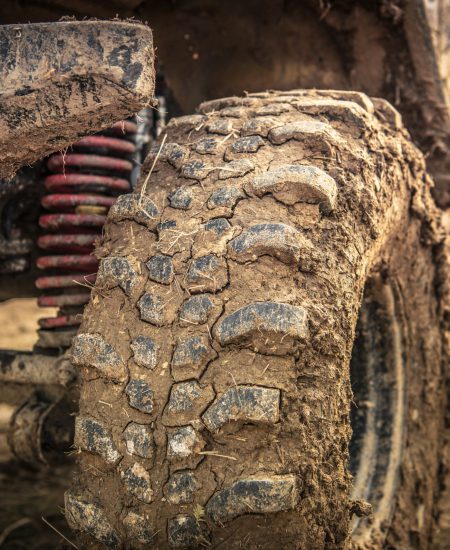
187	122
91	350
206	146
181	487
236	169
388	113
181	198
92	436
218	225
145	352
292	183
172	153
183	396
302	130
186	402
89	518
274	109
133	206
183	442
207	273
137	528
160	269
262	494
151	307
356	97
140	395
139	440
195	170
243	403
220	126
280	325
191	356
224	102
347	111
259	126
183	531
136	481
232	112
247	144
196	309
165	225
225	197
274	239
117	271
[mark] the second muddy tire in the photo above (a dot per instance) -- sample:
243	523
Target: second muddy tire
216	347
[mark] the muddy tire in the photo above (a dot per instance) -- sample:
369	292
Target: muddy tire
215	352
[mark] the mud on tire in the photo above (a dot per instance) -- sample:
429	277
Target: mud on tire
215	350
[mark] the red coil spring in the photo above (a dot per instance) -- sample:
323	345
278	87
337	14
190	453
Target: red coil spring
80	191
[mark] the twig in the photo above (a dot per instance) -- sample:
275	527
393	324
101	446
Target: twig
215	453
16	525
59	532
144	186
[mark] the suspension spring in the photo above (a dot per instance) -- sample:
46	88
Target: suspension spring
82	185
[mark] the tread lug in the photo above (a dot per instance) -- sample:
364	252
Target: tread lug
195	170
196	309
181	198
151	307
218	225
191	356
133	206
280	325
207	273
172	153
225	197
303	130
274	109
183	532
247	144
274	239
137	482
236	169
117	271
181	487
160	269
243	403
206	146
91	350
145	352
137	528
89	518
292	183
139	440
92	436
140	395
183	442
263	494
259	126
220	126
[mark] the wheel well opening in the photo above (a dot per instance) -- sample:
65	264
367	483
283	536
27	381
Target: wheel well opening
377	412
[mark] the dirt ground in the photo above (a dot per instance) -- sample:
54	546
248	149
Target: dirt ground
28	497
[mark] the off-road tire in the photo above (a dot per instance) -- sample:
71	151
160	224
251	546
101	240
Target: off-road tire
215	350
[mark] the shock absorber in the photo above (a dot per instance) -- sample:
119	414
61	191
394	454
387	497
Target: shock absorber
81	187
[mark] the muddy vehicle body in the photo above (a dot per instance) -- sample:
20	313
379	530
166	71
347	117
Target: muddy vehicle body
255	354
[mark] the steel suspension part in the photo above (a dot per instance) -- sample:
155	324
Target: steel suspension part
81	186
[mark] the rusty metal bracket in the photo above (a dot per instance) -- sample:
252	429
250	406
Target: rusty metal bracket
41	430
35	368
